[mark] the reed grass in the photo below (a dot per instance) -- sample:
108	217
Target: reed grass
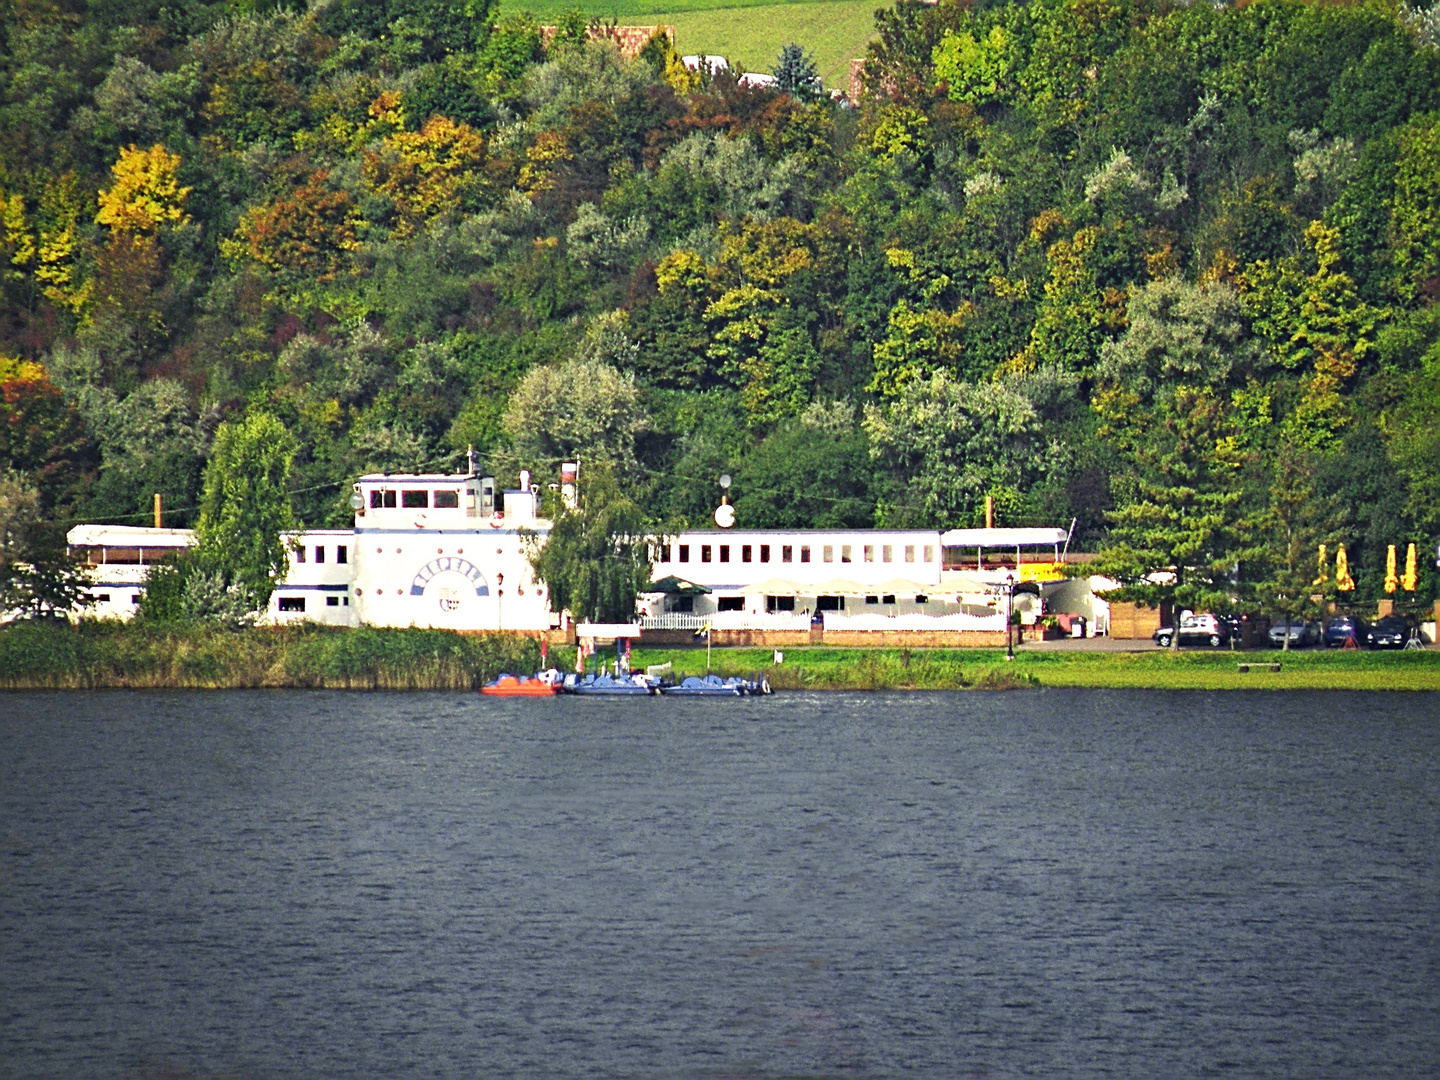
103	655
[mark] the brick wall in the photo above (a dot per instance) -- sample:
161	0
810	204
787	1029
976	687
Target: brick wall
628	39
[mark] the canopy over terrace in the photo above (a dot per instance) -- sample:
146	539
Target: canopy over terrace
675	586
960	540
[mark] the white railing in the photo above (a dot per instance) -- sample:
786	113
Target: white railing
725	620
834	620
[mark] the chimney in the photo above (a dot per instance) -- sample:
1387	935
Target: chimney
989	511
157	511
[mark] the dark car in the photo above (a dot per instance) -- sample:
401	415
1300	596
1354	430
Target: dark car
1195	630
1391	632
1342	628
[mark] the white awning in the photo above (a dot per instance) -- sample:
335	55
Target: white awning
1002	538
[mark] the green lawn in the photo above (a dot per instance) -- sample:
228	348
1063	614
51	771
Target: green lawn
939	669
834	31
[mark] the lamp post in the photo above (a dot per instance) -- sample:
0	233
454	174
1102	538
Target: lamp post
1009	615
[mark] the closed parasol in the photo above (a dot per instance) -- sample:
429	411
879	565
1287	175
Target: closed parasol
1343	581
1391	581
1411	581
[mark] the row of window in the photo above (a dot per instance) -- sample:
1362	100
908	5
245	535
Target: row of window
681	553
297	603
784	603
415	500
342	553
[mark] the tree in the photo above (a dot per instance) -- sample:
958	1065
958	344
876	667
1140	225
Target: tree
581	410
811	472
146	192
37	576
245	506
796	74
951	443
1164	398
1291	531
596	558
309	235
427	173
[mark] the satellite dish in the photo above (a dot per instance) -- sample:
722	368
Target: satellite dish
724	515
724	480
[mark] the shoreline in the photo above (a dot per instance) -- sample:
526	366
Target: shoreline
114	656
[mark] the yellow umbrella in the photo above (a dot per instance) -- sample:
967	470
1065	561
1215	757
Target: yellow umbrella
1391	581
1411	580
1324	567
1343	581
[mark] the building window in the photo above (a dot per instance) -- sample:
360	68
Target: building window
704	552
764	552
730	603
684	552
685	605
447	500
869	552
779	603
744	552
887	599
382	500
804	552
724	552
300	554
332	601
887	553
103	598
341	553
319	553
909	552
922	599
872	599
292	603
414	500
827	553
135	598
829	603
785	551
929	553
347	600
844	553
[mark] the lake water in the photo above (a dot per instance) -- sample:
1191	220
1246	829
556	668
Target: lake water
1048	883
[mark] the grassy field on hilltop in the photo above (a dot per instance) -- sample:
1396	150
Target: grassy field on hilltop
948	669
834	31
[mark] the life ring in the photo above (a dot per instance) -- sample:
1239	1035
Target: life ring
497	519
419	521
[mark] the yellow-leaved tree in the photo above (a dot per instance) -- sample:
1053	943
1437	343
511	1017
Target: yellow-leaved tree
146	192
428	173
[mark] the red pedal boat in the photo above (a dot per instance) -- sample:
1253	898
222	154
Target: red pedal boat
520	686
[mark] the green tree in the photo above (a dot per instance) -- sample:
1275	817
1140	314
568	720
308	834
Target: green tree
1164	398
811	472
37	576
581	410
796	73
1293	526
596	558
246	507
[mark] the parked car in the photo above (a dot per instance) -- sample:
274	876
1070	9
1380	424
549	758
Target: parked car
1341	628
1391	632
1195	630
1301	634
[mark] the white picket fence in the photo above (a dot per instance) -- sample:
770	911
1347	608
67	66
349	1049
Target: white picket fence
725	620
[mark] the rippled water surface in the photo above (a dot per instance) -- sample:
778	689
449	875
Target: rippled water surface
1043	883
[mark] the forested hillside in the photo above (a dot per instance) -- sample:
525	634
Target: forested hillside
1169	270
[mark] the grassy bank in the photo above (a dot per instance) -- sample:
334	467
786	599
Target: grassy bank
950	669
96	655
